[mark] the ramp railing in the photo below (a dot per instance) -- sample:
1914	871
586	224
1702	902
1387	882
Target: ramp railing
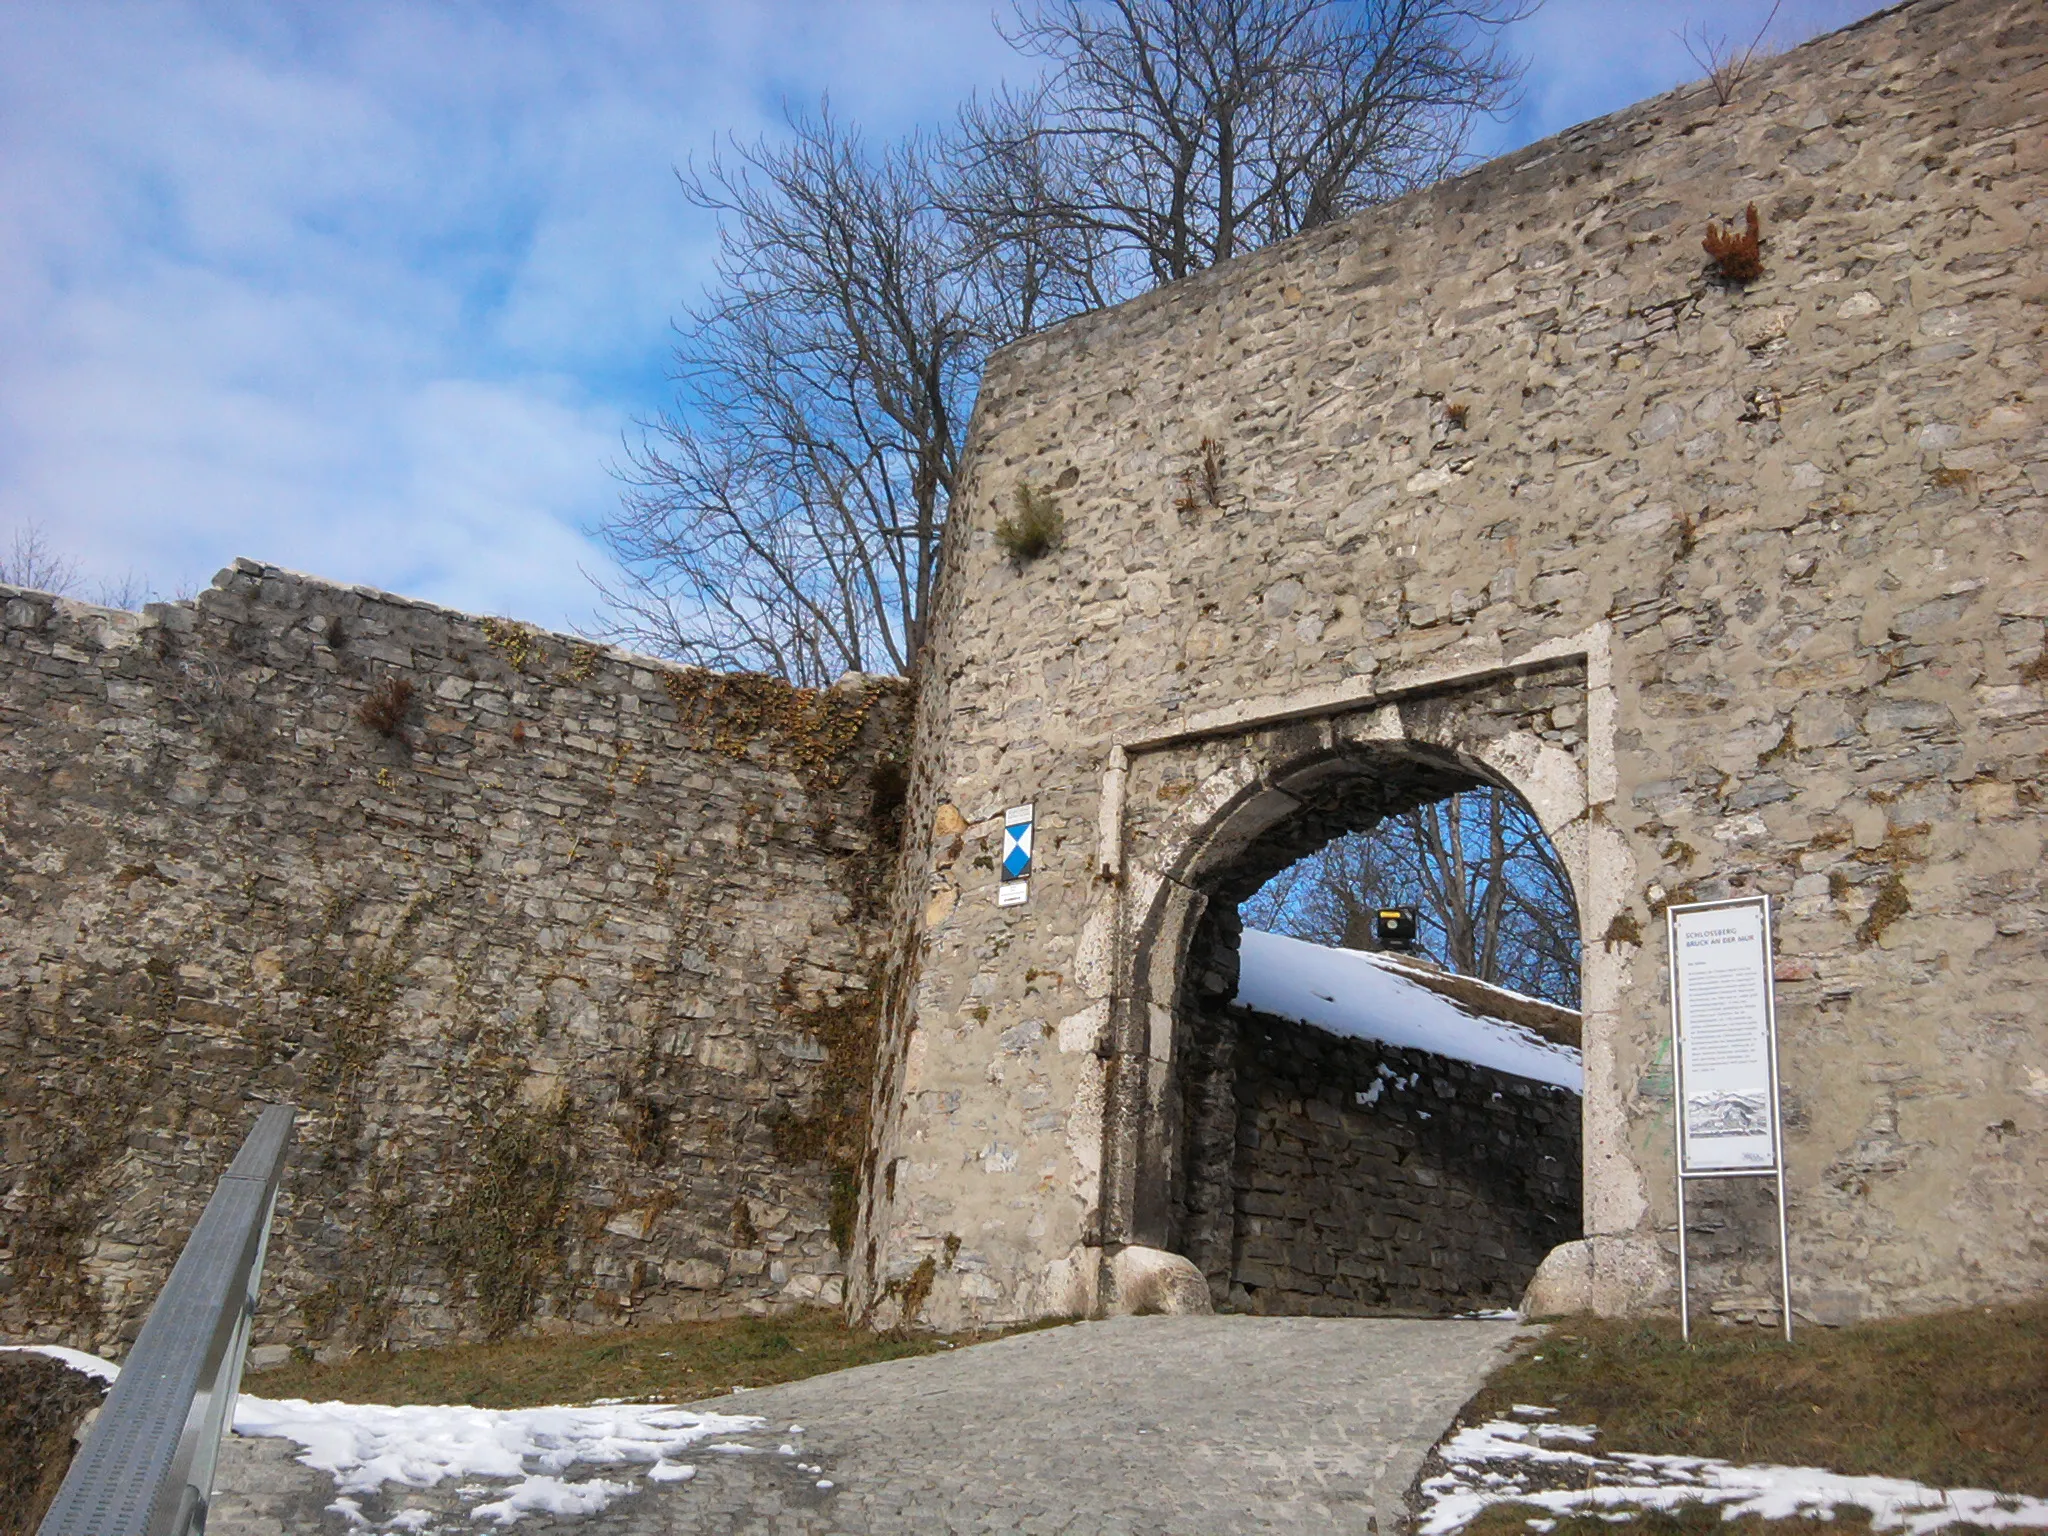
146	1468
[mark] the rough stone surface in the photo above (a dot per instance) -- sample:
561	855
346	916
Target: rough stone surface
555	966
1212	1426
1613	1276
1738	586
1368	1178
1149	1281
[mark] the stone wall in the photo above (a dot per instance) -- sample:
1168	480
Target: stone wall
1791	529
561	951
1369	1179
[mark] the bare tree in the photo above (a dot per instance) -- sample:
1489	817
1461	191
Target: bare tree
1179	133
784	516
1007	189
1493	901
30	562
1726	64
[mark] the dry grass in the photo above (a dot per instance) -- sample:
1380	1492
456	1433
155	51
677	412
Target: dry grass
1037	528
1738	253
1956	1400
41	1405
1201	483
1686	1520
683	1362
385	708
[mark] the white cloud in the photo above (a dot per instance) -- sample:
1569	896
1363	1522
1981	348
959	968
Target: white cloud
373	290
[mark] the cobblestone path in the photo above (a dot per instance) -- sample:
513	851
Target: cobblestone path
1165	1424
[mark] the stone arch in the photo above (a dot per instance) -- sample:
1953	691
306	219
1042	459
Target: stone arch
1207	821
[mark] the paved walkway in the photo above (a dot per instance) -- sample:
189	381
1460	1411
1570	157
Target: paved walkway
1186	1425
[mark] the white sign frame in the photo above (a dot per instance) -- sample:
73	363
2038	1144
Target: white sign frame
1014	893
1724	1054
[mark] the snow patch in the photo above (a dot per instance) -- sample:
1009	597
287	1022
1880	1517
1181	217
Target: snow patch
1504	1462
527	1451
365	1446
1362	997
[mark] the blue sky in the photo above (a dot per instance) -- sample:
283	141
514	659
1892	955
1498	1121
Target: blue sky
375	290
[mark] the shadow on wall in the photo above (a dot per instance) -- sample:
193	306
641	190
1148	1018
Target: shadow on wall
1365	1178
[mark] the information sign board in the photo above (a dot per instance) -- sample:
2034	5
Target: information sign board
1724	1046
1721	968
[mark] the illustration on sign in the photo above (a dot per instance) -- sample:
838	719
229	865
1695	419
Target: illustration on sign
1721	955
1727	1114
1016	859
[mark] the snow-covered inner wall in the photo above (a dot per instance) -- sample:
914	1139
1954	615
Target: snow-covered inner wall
1364	1144
1367	997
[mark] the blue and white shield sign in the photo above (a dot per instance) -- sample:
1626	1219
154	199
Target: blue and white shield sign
1016	859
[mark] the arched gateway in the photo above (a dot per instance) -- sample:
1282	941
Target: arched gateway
1735	580
1204	823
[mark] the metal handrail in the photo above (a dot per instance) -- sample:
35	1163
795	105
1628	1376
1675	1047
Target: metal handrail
146	1469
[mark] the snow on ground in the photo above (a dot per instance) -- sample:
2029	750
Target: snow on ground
1362	997
365	1446
368	1449
1508	1462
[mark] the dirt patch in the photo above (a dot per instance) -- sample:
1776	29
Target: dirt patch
683	1362
42	1402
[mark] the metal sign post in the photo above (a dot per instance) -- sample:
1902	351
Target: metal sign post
1724	1056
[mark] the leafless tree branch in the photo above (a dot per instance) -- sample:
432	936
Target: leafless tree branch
1493	899
1174	134
784	514
31	561
1725	65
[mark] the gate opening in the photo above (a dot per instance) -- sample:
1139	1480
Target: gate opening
1363	1130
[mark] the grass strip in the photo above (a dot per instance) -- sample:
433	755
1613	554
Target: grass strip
1686	1520
678	1362
1955	1399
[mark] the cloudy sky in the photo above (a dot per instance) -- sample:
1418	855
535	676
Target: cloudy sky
375	290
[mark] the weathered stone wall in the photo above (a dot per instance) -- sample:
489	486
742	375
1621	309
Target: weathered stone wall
560	950
1791	530
1370	1179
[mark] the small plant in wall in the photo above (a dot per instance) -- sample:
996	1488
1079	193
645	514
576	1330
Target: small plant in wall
385	709
1201	483
1037	527
1738	255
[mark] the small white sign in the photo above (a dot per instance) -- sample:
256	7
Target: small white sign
1015	887
1726	1037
